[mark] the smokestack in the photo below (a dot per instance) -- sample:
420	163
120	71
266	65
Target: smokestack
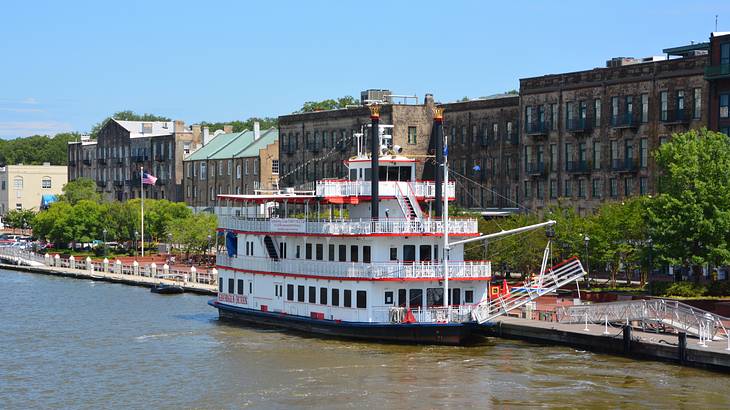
438	131
206	135
374	166
256	130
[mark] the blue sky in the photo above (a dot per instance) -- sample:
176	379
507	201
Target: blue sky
67	65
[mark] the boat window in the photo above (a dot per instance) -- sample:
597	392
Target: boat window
331	251
308	251
250	287
343	253
366	254
347	298
353	253
362	301
435	253
240	287
230	285
368	173
300	293
220	284
299	255
405	174
389	297
424	252
455	296
409	253
322	296
353	174
320	251
289	292
402	298
394	254
415	298
435	297
335	297
468	296
312	294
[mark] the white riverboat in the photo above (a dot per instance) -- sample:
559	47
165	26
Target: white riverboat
366	257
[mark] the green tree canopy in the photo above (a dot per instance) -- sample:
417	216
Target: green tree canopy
36	149
80	189
690	219
192	232
19	218
329	104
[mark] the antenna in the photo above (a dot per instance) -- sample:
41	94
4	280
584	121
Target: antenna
716	22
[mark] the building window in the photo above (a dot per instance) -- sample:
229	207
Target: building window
203	170
597	111
664	105
680	102
540	189
596	155
724	105
581	188
220	168
238	171
614	187
568	155
275	167
255	166
18	183
554	114
596	188
697	103
643	153
553	157
412	135
527	187
553	188
643	186
46	183
18	207
614	110
230	166
628	186
186	148
245	167
644	107
568	188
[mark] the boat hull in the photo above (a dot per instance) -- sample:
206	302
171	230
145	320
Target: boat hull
410	333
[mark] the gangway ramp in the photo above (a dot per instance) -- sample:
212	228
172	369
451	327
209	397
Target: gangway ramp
548	281
650	313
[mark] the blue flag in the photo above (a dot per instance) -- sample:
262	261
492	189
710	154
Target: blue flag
446	150
477	168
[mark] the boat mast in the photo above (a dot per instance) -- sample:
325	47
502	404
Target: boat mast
445	217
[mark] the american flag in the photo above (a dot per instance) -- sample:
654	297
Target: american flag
148	178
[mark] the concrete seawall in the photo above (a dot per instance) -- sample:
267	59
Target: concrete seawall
641	345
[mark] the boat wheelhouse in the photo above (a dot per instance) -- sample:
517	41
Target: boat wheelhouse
364	257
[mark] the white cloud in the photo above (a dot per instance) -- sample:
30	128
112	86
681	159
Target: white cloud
22	110
25	128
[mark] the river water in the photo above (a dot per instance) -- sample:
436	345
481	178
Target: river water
69	343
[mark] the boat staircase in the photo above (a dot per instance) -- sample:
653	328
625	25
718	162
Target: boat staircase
548	281
650	314
271	248
408	202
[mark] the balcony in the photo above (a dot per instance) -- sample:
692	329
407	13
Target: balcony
675	117
626	120
119	183
536	169
346	227
101	184
624	165
375	270
120	161
538	128
101	161
340	188
87	162
577	167
579	125
717	72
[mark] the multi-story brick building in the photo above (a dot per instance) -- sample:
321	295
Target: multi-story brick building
588	135
717	73
313	145
122	148
232	163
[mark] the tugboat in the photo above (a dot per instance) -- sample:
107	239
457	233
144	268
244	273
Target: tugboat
367	257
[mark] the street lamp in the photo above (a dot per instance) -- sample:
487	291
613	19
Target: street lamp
136	239
104	232
209	238
650	243
586	240
169	243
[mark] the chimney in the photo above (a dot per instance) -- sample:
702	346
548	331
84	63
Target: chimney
228	128
206	135
179	126
428	99
256	130
197	130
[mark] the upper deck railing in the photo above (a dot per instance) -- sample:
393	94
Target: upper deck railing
358	270
348	226
421	189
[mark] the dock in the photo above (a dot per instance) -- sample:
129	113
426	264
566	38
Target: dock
669	347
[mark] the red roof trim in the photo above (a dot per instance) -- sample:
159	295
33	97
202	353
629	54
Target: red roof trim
374	235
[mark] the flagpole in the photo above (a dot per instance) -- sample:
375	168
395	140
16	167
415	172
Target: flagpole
141	188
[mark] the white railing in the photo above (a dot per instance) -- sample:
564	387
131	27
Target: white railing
411	196
421	189
454	314
392	270
348	226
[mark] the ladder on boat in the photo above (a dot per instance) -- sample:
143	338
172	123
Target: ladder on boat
548	281
407	201
651	314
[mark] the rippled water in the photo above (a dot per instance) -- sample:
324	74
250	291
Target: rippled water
68	343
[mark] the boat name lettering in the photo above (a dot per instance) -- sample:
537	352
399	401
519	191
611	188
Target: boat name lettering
227	297
287	225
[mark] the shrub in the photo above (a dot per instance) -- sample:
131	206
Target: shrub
685	289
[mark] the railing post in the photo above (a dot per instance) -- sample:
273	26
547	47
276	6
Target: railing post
193	274
105	265
57	260
47	259
214	275
72	262
135	268
118	267
153	270
165	269
89	264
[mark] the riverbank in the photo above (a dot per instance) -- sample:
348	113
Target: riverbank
667	347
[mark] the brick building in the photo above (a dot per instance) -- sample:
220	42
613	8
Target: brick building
718	76
121	148
232	163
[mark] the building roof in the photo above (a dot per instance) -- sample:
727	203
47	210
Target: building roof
154	128
234	145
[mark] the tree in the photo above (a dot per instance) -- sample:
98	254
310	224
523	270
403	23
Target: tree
80	189
238	126
328	104
19	218
36	149
689	221
159	214
126	115
52	224
192	232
